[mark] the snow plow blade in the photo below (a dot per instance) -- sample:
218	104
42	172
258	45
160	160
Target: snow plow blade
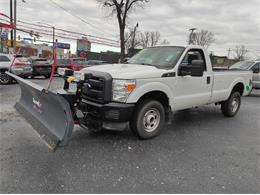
48	113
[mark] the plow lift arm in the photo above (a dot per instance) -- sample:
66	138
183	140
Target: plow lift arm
48	112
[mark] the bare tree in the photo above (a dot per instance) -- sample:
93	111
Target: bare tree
149	39
122	8
144	39
240	52
204	38
131	40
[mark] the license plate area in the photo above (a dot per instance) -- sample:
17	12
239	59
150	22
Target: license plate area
73	87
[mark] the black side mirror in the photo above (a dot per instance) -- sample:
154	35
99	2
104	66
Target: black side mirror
125	60
195	69
256	71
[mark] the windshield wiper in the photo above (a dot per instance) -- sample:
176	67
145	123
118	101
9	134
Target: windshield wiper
146	64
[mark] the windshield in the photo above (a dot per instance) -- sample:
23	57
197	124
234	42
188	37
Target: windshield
242	65
160	57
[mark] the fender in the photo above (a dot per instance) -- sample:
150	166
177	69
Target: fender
234	83
149	87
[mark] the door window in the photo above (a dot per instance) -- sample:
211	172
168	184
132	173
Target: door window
194	54
4	59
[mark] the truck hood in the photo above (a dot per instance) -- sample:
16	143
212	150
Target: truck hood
128	71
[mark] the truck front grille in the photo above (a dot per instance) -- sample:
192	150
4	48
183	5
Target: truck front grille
97	88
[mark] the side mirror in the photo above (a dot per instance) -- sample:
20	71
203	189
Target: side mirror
256	71
126	60
196	68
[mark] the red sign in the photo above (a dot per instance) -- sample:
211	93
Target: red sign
83	54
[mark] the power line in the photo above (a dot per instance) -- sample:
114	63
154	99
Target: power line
65	35
59	29
100	42
78	17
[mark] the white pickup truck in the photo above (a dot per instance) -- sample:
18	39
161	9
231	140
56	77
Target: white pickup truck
141	93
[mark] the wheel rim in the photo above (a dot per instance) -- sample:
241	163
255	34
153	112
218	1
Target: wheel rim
151	120
235	105
4	78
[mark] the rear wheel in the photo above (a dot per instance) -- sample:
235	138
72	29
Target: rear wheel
148	119
231	107
5	79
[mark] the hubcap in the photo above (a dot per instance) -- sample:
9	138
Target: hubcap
235	105
4	78
151	120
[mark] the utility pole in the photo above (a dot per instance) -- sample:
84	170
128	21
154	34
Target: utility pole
191	37
11	21
134	34
229	50
53	42
15	9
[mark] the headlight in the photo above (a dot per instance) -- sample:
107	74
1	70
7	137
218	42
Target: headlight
64	72
122	89
79	76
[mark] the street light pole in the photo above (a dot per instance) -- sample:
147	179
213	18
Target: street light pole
134	34
53	42
15	9
191	35
11	20
53	37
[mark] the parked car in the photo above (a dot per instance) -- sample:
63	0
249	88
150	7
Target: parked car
95	62
20	67
143	93
40	67
250	65
75	64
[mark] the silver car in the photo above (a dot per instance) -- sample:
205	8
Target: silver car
250	65
16	64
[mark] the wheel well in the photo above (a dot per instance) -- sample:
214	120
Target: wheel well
239	87
156	95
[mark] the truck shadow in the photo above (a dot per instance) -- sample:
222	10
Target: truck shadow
188	120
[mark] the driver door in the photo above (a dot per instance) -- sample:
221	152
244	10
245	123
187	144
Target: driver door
191	91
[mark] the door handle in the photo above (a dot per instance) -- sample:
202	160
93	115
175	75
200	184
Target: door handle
208	80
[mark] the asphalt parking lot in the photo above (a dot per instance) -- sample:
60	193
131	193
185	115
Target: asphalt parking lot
201	152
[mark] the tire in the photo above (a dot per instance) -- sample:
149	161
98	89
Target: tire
5	79
231	107
148	119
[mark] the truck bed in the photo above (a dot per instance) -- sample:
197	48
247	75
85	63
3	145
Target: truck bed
216	69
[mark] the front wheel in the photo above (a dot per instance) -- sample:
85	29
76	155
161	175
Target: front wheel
148	119
231	107
5	79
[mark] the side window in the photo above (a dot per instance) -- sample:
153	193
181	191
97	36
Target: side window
4	59
256	68
195	54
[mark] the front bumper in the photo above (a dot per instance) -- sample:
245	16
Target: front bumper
113	116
